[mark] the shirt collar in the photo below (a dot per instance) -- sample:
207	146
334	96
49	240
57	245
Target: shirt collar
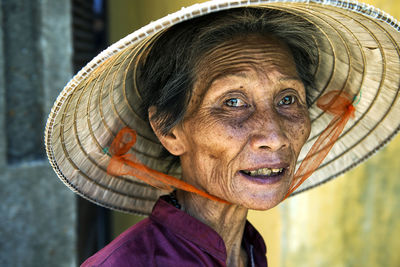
204	236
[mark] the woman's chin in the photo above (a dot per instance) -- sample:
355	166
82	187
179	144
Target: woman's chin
257	194
264	206
263	201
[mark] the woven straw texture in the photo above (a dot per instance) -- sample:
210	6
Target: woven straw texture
358	53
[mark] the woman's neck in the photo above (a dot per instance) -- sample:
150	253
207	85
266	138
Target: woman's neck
227	220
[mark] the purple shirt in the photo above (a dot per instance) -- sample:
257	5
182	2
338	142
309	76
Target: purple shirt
171	237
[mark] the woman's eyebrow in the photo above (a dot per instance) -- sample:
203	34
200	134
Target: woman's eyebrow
239	74
221	76
291	78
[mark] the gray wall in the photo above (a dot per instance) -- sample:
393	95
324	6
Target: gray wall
37	212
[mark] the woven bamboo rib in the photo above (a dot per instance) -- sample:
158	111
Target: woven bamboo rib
316	134
88	177
365	113
378	92
83	153
337	46
110	188
100	106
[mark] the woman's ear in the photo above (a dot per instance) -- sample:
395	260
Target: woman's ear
174	141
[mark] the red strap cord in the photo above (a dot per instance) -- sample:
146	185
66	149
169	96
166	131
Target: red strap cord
339	104
127	164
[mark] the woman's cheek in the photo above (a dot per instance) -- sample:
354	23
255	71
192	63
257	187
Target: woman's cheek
299	130
210	164
220	130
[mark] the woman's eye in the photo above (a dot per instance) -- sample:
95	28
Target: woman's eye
287	100
235	102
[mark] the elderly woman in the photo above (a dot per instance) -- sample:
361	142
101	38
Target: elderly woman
229	96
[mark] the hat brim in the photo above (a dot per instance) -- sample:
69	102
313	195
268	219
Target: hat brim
358	53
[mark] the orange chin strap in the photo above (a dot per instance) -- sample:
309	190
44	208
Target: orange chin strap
127	164
337	103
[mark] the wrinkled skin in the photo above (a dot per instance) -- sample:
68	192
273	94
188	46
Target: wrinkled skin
248	111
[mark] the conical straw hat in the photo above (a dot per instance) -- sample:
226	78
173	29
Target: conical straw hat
358	53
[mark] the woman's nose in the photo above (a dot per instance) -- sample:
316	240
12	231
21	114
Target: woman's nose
269	135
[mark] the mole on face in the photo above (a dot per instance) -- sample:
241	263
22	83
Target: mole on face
211	156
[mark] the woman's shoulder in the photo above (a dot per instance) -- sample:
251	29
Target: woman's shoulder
133	245
167	237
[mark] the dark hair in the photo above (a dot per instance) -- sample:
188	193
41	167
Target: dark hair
166	74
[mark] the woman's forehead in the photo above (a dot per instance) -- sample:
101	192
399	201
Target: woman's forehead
235	57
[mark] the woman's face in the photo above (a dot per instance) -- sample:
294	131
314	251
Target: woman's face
246	123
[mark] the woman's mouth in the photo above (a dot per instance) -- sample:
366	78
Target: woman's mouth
264	175
264	172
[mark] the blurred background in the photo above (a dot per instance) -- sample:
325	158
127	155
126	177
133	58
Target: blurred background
353	220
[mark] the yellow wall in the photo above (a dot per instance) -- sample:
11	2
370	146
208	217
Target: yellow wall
353	220
126	16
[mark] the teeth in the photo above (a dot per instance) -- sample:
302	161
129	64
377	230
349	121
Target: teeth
263	171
